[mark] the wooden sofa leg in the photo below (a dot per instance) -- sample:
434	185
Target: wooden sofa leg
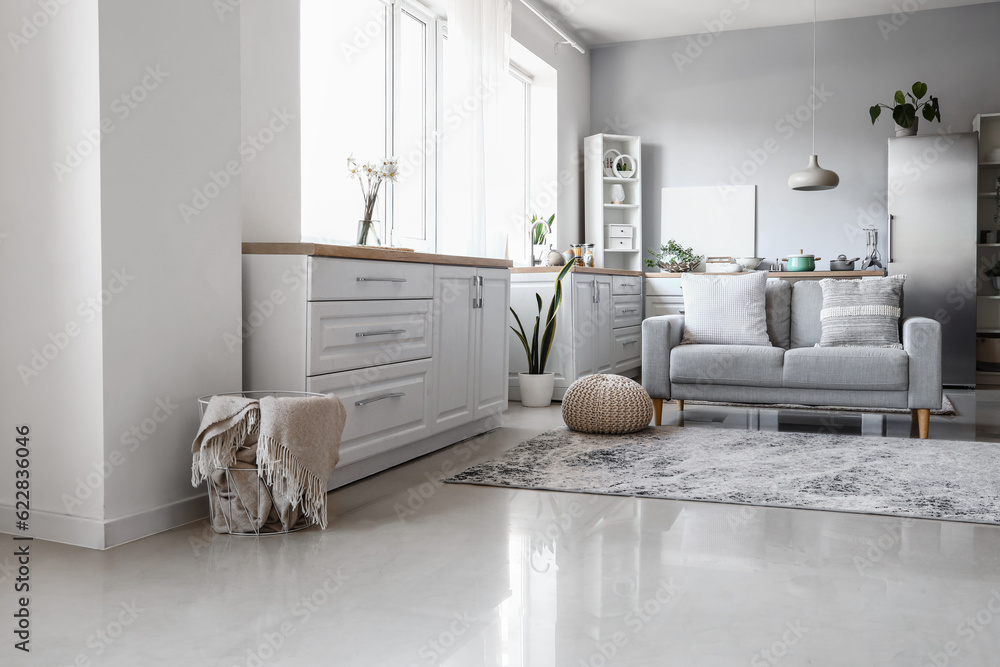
657	410
680	405
923	417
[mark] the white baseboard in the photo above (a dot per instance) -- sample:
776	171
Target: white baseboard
97	534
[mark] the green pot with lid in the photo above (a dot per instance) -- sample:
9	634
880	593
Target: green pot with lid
801	262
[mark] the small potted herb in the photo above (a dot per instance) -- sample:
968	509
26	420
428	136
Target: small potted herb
674	258
905	112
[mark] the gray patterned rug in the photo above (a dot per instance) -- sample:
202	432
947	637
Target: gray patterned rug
931	479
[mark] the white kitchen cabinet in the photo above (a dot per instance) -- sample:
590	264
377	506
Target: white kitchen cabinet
415	349
470	383
597	307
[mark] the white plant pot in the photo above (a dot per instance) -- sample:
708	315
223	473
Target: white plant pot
908	131
536	390
996	282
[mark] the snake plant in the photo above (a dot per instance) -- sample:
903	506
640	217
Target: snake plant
538	351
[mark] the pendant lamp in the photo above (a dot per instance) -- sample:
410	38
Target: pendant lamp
813	177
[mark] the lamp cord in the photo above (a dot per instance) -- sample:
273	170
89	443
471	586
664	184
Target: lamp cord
813	92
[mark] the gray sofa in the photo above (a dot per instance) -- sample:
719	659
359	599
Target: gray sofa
794	370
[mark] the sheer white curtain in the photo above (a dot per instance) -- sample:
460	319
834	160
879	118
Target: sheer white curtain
477	58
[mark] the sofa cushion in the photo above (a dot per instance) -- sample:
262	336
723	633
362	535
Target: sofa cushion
778	310
807	302
857	368
737	365
725	310
861	313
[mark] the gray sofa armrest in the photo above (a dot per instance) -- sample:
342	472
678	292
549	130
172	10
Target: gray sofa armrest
659	336
922	342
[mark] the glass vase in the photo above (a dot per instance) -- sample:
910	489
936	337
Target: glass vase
368	233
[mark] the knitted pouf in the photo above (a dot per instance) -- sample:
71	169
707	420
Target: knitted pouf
606	404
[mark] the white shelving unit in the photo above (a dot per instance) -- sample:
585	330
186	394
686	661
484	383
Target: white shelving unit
988	301
600	214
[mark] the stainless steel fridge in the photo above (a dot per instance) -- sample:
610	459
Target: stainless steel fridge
932	239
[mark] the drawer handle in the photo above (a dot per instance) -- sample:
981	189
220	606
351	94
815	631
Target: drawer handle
381	280
374	399
390	332
630	310
630	342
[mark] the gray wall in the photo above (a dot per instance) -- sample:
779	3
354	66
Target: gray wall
704	119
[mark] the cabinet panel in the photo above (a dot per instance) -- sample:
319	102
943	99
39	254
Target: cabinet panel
628	348
392	411
491	354
454	347
663	287
604	321
627	285
335	279
664	305
344	335
585	330
628	311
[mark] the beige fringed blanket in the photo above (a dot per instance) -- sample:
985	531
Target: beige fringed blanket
297	444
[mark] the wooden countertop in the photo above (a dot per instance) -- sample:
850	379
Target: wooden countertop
575	269
818	275
359	252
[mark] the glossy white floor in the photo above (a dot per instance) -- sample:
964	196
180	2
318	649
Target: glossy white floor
412	572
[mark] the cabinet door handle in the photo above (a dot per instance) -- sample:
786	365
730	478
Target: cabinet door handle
390	332
381	280
374	399
477	294
630	342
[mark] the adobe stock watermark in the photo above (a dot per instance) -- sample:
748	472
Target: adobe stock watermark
33	24
271	642
131	440
88	310
218	181
698	44
969	629
223	8
773	654
364	36
786	126
882	545
100	640
122	107
901	13
263	310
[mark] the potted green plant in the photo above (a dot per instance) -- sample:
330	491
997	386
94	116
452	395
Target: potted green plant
674	258
994	273
905	112
537	386
540	228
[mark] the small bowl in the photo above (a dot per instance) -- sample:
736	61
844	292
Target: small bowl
749	263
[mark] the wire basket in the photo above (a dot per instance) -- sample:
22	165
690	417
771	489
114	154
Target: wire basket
245	492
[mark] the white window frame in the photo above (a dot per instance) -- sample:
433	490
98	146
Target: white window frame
526	79
436	34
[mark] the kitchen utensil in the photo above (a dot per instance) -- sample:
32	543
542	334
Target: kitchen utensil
842	263
801	262
872	256
721	265
554	258
749	263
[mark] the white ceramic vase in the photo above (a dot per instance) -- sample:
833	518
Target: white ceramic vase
617	194
536	390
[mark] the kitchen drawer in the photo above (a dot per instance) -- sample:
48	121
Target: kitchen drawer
628	310
619	231
628	348
626	285
335	279
663	287
618	243
393	410
664	305
344	335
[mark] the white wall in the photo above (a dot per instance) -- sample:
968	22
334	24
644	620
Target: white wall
574	115
272	176
164	341
50	259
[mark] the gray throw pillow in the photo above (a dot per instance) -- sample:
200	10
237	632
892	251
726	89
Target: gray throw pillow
724	309
861	313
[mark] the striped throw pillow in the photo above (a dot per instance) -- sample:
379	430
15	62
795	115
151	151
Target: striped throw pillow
861	313
723	309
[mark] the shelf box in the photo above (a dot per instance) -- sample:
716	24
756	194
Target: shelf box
618	243
623	231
